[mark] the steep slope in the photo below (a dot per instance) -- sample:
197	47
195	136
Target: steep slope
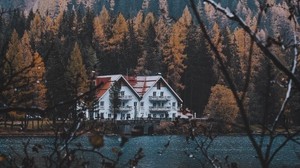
167	8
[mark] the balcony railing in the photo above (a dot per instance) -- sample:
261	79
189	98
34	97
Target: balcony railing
159	98
159	108
125	97
125	108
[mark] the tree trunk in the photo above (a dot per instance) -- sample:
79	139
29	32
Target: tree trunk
5	120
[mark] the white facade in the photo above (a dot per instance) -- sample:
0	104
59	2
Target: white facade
140	97
128	107
159	102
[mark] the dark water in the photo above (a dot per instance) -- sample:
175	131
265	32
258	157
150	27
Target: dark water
178	154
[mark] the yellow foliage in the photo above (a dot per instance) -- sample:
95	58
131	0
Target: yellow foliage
120	30
222	106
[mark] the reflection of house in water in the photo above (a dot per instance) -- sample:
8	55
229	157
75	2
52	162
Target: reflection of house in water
139	97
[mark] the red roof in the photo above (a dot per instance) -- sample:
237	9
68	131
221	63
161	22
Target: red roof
139	84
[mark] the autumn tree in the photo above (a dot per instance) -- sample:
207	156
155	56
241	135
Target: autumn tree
10	70
76	77
24	71
175	56
222	108
264	146
117	46
163	30
150	60
119	32
102	25
23	76
217	40
36	28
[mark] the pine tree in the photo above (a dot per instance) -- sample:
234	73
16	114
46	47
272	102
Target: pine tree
119	32
102	32
150	62
24	74
118	47
76	78
10	70
175	57
217	40
199	76
114	99
76	73
56	82
36	28
37	74
231	58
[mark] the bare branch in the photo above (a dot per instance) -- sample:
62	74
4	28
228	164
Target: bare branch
229	80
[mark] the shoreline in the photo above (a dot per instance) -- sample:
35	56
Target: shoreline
52	134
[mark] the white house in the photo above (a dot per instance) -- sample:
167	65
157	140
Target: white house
139	96
129	99
157	98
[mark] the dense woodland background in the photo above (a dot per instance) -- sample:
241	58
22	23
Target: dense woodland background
64	46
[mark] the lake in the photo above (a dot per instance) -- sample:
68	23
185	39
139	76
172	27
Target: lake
178	154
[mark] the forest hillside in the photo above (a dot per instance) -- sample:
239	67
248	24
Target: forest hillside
77	37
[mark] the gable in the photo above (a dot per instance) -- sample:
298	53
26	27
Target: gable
108	81
139	85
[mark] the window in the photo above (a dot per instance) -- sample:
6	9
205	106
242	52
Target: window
161	94
135	104
154	104
128	116
162	115
174	115
123	104
123	116
142	103
154	93
102	103
174	104
122	93
109	115
158	85
154	115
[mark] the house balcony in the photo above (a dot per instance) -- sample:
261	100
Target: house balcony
125	97
159	98
159	109
125	108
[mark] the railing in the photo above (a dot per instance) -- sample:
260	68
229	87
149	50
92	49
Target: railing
125	108
125	97
159	98
159	108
